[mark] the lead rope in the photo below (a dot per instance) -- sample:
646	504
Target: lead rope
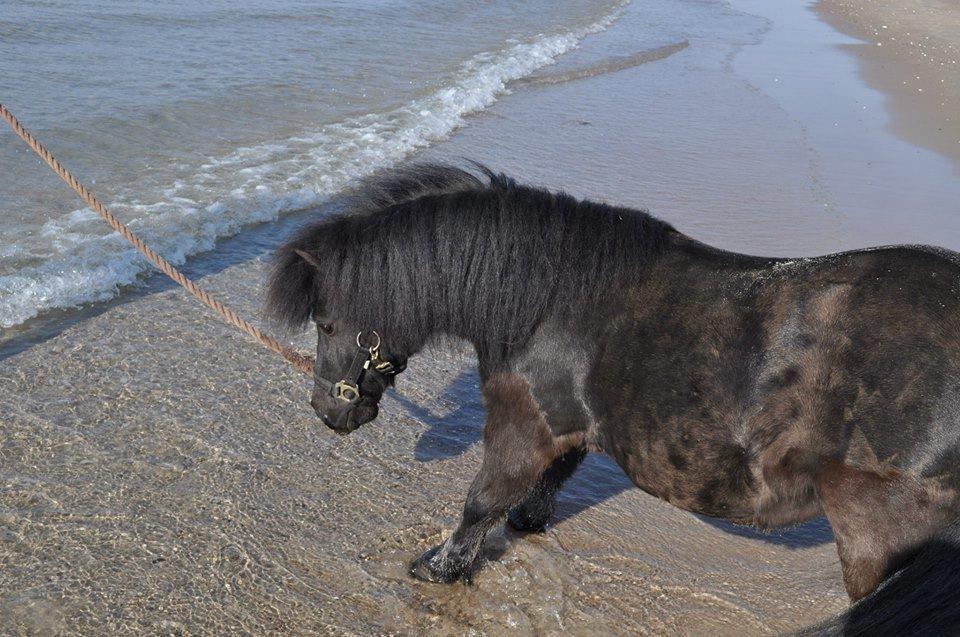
302	363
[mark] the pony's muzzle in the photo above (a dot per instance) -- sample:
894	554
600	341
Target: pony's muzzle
341	416
334	413
340	424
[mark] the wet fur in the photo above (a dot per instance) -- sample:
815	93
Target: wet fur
760	390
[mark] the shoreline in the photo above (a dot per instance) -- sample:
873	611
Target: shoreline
160	472
911	53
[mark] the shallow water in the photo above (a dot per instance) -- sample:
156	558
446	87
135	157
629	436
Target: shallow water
196	493
194	120
884	188
159	474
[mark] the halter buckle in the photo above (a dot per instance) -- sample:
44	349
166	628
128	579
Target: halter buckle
346	391
366	357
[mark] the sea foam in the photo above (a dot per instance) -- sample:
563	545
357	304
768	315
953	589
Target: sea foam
258	184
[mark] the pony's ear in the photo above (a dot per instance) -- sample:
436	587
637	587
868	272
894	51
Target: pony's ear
309	258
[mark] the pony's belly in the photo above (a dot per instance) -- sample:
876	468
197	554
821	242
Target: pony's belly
721	484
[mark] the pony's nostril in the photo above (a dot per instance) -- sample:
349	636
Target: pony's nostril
327	421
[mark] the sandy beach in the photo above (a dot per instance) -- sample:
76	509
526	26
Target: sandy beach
160	474
911	51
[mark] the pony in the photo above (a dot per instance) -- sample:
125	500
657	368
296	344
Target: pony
764	391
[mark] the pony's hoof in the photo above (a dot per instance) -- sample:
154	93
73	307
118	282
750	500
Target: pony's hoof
521	520
427	568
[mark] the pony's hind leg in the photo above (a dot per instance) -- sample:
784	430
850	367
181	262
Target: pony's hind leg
518	448
879	519
532	515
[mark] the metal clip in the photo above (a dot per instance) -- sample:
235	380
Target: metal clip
346	391
372	348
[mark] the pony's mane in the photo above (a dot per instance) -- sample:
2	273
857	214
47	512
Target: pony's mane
434	249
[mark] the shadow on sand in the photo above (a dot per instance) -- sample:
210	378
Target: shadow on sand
812	533
452	433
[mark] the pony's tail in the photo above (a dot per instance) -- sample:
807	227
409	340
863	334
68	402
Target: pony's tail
922	598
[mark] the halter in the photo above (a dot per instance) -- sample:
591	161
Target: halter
347	388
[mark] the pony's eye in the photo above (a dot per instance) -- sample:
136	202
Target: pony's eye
326	328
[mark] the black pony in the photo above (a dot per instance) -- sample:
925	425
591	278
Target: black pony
763	391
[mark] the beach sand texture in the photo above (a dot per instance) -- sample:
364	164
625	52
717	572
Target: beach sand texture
911	51
160	474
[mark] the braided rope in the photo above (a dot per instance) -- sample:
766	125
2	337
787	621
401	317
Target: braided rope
302	363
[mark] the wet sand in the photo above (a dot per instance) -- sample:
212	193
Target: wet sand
160	474
911	51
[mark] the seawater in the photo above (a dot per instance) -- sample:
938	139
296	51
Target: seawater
193	121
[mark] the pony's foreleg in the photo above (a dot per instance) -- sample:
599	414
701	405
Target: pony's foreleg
532	515
518	448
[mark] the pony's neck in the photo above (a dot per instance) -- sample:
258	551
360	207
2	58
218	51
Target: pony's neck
450	303
449	254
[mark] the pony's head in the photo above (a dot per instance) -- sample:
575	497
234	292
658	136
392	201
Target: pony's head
364	279
353	367
352	371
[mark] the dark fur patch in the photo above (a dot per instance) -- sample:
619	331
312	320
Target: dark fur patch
677	459
785	378
733	480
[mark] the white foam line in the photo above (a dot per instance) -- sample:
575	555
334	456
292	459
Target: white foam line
263	182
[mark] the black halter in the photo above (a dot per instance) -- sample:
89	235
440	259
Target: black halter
347	388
